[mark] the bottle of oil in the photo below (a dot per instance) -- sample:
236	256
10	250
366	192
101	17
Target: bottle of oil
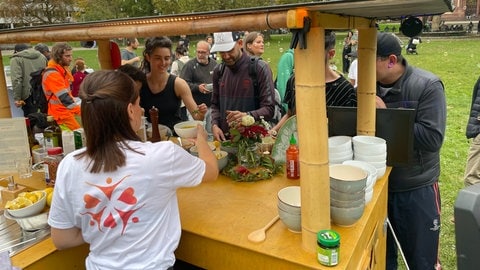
52	134
155	131
292	158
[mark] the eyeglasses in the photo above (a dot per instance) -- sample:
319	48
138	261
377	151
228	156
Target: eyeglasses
202	52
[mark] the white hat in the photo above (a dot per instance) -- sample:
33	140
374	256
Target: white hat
224	41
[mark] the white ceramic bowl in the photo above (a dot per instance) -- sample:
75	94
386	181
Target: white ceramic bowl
291	220
339	144
346	217
374	149
340	160
338	155
30	210
346	196
368	196
367	141
381	171
347	178
31	223
289	199
187	129
370	158
369	168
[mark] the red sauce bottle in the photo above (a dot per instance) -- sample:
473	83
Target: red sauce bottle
292	158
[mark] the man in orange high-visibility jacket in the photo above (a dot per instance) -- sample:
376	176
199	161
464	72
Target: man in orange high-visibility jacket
56	86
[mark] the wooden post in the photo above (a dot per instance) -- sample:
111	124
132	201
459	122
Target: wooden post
104	56
5	111
366	92
313	137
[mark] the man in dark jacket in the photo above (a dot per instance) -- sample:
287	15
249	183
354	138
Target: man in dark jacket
414	196
233	92
24	61
472	169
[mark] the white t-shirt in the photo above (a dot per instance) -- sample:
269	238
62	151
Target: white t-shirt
129	217
352	71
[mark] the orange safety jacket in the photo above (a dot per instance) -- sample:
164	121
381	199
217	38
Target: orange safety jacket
61	104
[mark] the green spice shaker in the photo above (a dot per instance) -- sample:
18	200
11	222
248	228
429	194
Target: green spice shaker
328	251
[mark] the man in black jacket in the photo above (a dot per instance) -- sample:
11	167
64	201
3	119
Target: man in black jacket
414	196
472	169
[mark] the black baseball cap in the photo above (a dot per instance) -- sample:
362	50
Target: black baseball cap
388	44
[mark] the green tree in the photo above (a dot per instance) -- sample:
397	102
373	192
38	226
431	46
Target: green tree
36	12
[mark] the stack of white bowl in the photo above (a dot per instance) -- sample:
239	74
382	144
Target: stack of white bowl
371	178
347	194
289	208
371	149
339	149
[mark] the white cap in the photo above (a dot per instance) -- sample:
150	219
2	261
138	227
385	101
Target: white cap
224	41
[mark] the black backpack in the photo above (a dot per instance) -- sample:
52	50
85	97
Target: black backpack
252	72
39	101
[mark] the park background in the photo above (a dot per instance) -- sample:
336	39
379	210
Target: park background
456	60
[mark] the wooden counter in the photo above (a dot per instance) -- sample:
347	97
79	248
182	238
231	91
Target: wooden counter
218	216
216	219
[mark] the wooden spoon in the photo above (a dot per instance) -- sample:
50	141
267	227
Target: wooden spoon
259	235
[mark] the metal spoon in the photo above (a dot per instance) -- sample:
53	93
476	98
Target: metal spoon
259	235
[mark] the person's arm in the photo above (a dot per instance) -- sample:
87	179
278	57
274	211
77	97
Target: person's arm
66	238
206	154
429	129
183	91
16	76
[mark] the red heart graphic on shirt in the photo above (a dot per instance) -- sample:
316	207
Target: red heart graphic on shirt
128	197
90	201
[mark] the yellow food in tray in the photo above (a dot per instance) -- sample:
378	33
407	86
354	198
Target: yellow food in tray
24	199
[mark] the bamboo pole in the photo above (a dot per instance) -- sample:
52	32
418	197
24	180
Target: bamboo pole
366	92
5	111
104	54
313	137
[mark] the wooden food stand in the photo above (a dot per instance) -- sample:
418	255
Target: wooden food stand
313	133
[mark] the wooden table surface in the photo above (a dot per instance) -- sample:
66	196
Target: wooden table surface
218	216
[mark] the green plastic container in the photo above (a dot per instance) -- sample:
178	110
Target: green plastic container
328	251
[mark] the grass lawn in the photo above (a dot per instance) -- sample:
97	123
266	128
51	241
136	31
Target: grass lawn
457	63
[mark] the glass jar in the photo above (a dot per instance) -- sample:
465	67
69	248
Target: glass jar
51	162
328	251
248	156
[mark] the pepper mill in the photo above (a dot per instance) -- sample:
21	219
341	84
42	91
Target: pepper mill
154	118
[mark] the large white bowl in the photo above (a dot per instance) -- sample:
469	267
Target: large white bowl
30	210
347	178
373	149
187	129
339	144
367	141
